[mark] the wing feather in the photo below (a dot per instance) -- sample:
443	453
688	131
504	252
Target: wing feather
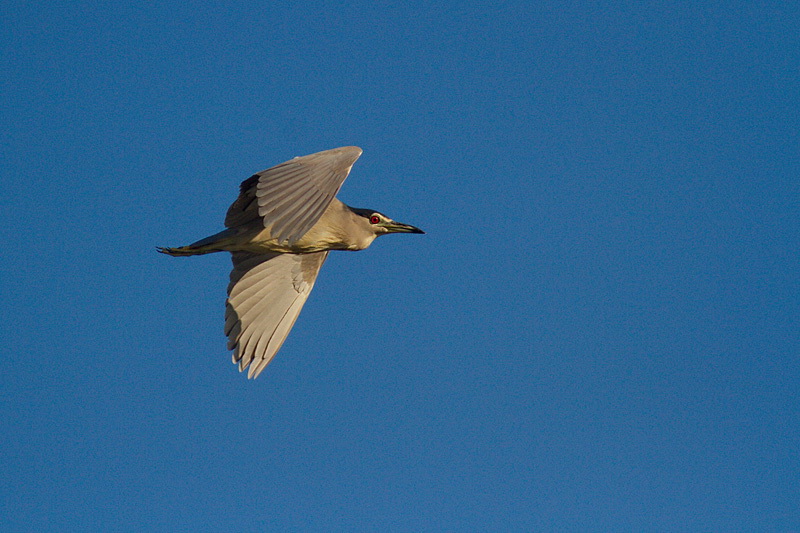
291	197
265	297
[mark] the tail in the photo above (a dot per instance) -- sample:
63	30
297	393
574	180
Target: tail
209	245
184	251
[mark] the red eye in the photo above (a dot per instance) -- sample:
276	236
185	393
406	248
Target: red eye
374	219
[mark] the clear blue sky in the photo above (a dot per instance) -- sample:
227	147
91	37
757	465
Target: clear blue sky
598	332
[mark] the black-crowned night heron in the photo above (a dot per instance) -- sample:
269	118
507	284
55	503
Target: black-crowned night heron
280	230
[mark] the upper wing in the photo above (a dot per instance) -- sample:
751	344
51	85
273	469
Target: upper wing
265	296
292	196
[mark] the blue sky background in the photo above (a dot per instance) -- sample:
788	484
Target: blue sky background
598	332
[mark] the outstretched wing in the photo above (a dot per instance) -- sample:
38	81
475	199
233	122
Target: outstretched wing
291	197
265	296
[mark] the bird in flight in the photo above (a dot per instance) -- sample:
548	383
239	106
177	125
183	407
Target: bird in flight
279	232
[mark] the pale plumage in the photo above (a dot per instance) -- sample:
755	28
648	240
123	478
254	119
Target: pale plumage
280	230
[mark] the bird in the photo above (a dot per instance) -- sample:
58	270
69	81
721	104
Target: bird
279	232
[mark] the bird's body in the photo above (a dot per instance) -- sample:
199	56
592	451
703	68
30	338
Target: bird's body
280	230
337	229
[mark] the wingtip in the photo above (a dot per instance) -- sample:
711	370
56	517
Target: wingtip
352	149
351	153
348	155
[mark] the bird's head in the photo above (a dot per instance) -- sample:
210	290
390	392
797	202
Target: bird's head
379	224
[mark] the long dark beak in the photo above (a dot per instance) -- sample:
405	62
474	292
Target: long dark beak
397	227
